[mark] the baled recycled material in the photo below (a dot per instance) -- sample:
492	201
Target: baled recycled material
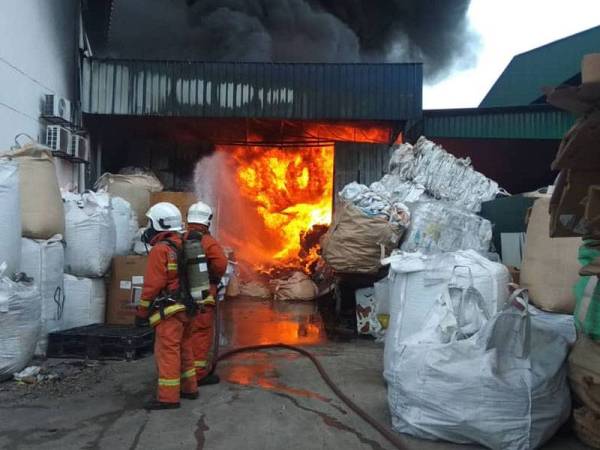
399	190
43	260
587	294
85	301
444	176
356	243
550	269
504	387
90	235
42	212
20	322
417	282
297	286
10	225
584	372
135	189
441	227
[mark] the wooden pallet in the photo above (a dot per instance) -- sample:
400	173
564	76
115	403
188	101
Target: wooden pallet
101	341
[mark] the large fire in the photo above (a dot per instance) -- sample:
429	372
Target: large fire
290	190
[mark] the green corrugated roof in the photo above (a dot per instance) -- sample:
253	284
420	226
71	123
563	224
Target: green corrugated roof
527	122
549	65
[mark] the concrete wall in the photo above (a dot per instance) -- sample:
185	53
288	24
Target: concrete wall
37	57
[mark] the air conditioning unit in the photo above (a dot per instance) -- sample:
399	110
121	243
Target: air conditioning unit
79	147
58	138
57	107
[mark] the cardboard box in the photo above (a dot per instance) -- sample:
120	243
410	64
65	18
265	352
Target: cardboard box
125	289
183	200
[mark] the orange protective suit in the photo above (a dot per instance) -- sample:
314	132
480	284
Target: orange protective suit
174	329
204	322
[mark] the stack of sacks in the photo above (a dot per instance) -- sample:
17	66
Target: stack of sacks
44	260
20	321
91	237
453	326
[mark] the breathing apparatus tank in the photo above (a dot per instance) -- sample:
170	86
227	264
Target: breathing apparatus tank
196	268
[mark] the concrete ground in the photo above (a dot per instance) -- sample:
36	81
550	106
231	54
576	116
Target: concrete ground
268	400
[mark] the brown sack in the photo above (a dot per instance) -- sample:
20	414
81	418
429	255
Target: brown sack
297	287
354	241
136	189
584	372
550	267
255	289
42	210
579	147
233	288
587	426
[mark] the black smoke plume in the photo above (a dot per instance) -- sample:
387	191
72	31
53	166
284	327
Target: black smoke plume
435	32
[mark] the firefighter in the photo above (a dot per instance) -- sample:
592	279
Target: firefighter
199	218
164	306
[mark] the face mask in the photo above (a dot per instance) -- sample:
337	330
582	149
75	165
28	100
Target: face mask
149	234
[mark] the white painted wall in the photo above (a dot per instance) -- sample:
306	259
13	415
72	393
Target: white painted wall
37	57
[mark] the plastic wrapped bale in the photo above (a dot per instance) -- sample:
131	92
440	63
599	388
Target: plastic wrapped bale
20	322
90	235
357	241
399	190
417	281
122	215
503	387
10	225
440	227
444	176
44	262
85	301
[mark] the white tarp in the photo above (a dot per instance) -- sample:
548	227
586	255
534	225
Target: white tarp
10	225
418	281
444	176
85	301
20	321
44	261
441	227
503	387
90	234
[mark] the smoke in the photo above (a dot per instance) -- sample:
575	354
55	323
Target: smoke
435	32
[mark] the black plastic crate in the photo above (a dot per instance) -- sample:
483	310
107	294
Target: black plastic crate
101	341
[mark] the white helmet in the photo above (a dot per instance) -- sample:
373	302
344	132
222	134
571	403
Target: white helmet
200	213
165	217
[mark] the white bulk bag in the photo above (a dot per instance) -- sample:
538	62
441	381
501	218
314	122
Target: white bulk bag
10	225
90	235
20	313
504	387
44	261
85	301
418	281
122	216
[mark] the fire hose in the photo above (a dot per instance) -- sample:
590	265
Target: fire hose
384	430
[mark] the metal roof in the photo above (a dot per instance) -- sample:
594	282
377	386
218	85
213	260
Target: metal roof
257	90
528	122
550	65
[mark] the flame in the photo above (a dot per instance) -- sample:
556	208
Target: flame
290	190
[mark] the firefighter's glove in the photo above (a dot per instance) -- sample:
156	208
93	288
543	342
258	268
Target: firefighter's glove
141	323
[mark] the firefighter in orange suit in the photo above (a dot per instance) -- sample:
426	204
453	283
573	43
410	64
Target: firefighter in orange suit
199	218
163	307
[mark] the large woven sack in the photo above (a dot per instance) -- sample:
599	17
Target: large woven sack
584	372
85	301
298	286
255	289
10	225
135	189
587	426
42	212
356	243
233	288
550	268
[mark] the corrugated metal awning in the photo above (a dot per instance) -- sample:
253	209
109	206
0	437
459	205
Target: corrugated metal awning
526	122
256	90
